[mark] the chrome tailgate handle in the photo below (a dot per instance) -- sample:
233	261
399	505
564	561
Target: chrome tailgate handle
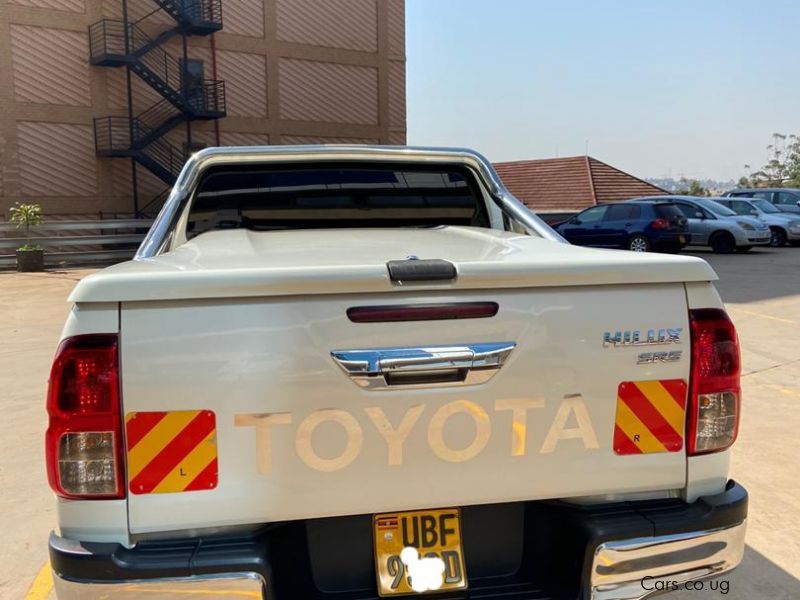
411	359
430	366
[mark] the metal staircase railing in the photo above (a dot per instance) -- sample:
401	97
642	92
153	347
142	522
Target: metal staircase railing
161	117
155	65
107	44
164	159
151	209
158	120
210	98
162	71
112	137
185	97
198	16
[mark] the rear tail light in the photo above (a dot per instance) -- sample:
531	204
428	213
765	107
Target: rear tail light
715	390
84	438
660	224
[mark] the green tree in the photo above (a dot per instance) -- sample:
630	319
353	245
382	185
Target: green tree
793	161
692	188
26	216
783	163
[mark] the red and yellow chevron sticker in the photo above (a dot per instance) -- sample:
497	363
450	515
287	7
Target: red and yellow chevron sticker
171	451
650	416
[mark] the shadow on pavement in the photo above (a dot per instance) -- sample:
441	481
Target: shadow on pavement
756	578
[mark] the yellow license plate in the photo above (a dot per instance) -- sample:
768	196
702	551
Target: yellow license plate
435	557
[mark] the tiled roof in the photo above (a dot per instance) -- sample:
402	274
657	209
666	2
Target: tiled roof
570	184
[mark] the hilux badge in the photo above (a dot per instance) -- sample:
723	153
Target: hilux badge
634	337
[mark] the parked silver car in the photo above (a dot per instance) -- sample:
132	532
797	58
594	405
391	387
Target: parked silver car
711	224
785	226
784	199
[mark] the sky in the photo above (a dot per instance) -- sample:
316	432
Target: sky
658	88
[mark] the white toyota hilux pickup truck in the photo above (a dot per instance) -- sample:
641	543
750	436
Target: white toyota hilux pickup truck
343	373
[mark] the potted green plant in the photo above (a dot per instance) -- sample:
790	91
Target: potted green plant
30	257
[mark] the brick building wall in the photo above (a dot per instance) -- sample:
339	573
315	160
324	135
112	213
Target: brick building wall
295	72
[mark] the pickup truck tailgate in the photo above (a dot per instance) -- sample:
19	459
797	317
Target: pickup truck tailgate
295	436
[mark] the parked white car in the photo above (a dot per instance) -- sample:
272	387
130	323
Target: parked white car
785	226
357	372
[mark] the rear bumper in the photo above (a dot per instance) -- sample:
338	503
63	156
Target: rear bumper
519	550
670	239
242	585
629	568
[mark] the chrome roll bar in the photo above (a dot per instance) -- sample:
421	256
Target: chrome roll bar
204	159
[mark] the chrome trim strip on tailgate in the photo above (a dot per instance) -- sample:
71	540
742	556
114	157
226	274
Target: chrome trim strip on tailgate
431	366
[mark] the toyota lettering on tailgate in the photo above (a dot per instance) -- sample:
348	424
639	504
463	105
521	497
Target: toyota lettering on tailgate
571	422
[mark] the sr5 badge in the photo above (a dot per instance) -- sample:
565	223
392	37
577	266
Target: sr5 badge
648	358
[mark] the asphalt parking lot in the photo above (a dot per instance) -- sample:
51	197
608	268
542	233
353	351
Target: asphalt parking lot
761	290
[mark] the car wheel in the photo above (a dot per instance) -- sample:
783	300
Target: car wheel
722	243
638	243
743	249
778	238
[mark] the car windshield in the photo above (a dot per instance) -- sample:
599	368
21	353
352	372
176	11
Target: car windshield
765	206
716	208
